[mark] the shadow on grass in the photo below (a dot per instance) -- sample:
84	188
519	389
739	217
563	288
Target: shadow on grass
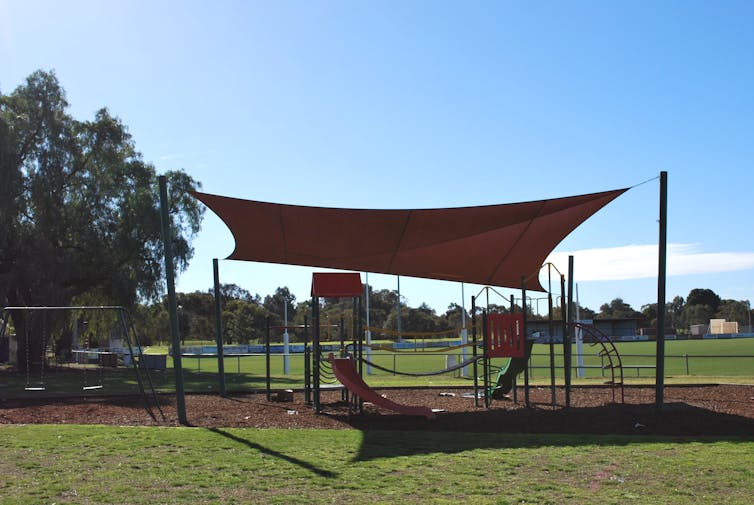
69	382
203	382
269	452
386	436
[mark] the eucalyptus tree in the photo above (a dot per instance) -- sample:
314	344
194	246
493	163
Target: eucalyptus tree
79	208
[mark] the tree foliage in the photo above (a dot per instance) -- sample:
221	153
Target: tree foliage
79	207
704	297
244	316
617	309
277	303
734	310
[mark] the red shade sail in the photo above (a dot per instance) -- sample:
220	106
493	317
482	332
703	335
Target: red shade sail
493	244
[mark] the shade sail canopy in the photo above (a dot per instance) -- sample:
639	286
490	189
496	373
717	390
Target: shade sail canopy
493	244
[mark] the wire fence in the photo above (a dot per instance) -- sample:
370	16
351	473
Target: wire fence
594	364
246	372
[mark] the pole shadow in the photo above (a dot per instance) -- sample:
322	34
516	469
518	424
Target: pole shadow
387	436
270	452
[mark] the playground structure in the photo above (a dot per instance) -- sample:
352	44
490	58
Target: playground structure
500	245
346	373
608	350
494	337
57	343
503	336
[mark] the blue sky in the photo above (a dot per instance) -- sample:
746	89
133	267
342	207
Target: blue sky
419	104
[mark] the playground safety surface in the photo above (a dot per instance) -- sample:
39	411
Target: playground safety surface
688	410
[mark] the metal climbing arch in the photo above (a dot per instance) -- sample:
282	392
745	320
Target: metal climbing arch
608	351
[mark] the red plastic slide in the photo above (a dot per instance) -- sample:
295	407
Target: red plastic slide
346	373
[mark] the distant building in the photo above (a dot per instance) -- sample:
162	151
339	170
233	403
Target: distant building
616	329
697	330
721	326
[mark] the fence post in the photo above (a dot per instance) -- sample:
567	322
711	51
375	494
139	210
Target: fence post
687	364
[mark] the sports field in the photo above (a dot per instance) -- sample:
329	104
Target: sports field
687	361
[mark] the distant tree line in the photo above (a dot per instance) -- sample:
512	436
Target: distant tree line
245	315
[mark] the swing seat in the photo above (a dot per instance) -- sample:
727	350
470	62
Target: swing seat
35	388
90	388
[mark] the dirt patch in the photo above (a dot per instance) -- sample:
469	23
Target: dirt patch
690	410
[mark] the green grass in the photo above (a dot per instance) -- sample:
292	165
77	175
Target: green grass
98	464
696	358
244	373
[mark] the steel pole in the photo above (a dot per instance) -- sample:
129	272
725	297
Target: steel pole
569	331
267	359
661	274
286	341
551	330
368	332
528	360
167	241
475	366
219	329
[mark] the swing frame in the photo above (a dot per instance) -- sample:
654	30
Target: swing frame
134	348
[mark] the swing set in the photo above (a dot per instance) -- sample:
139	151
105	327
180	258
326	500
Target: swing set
43	332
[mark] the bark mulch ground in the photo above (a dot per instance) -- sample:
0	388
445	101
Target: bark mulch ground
688	410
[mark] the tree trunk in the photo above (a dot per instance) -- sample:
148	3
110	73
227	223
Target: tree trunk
32	335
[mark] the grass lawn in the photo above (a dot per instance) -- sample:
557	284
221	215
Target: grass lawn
706	361
99	464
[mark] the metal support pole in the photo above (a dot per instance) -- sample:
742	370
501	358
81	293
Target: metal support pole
357	334
267	357
569	332
400	337
475	366
360	334
315	352
167	241
307	363
579	336
486	359
219	329
343	337
464	333
661	273
526	367
515	386
368	332
551	330
286	340
354	346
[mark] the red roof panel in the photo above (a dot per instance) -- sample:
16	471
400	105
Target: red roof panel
336	284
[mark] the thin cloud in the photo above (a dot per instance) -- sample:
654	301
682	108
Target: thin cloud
640	262
172	156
